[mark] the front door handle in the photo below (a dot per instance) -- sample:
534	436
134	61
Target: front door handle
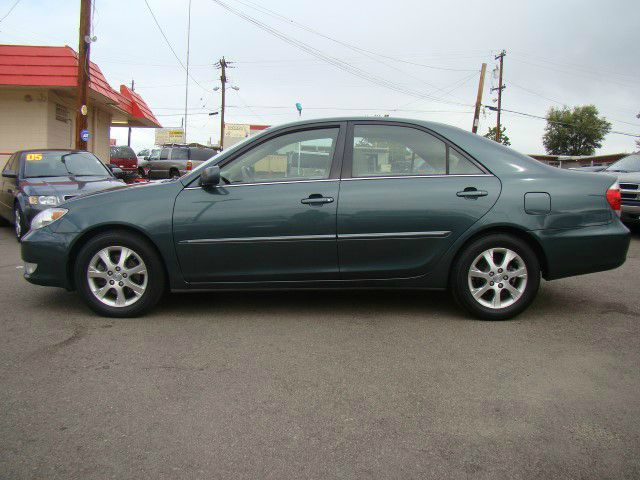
472	192
316	199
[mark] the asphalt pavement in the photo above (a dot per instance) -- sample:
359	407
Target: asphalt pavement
348	384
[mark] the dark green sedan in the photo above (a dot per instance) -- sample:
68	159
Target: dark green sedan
337	203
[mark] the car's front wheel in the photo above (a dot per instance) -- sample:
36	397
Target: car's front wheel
496	277
119	274
19	222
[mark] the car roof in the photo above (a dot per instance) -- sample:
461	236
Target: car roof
51	150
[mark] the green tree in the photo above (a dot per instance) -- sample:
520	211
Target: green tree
577	131
491	135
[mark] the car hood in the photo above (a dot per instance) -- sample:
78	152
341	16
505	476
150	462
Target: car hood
69	186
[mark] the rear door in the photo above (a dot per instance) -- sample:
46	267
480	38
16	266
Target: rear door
159	166
406	195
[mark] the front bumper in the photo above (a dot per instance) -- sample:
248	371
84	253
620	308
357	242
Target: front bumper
50	252
583	250
630	212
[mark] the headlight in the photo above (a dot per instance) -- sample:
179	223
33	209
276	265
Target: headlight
47	217
44	200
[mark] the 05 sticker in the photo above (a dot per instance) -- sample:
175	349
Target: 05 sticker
34	157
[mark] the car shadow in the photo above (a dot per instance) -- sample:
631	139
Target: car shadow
343	303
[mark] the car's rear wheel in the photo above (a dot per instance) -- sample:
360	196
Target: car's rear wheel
173	173
496	277
119	274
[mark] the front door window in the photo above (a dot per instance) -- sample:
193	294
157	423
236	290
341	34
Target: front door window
303	155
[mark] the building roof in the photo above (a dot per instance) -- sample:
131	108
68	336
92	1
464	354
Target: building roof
45	66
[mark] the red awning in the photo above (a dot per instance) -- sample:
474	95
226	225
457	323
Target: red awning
136	106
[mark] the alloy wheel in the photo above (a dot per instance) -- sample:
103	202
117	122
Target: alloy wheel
117	276
497	278
18	223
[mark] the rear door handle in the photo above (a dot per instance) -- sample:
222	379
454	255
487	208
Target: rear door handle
471	192
316	199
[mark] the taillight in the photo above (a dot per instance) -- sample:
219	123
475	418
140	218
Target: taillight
189	165
614	197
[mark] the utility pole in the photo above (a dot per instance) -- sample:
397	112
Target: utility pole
129	133
499	88
186	87
222	65
476	113
84	64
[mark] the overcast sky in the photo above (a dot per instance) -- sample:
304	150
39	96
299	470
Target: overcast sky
569	52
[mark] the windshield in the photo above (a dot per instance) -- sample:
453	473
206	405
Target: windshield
626	164
62	164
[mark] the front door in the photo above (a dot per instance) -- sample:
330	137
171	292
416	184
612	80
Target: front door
405	197
273	218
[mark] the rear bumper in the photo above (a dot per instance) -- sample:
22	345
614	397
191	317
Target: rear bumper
584	250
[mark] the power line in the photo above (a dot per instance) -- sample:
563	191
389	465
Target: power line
361	50
350	109
584	68
171	48
329	59
565	103
594	76
449	88
492	108
15	4
367	53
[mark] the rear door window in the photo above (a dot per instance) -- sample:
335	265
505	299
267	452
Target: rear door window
389	150
201	154
180	153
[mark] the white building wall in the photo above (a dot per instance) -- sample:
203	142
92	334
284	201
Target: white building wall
23	120
30	119
60	133
100	128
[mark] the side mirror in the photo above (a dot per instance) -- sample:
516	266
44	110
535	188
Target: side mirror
146	157
210	176
118	172
9	174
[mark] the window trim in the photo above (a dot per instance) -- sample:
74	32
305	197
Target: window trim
8	164
336	161
347	164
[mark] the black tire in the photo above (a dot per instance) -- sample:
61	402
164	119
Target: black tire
20	227
155	282
173	173
460	281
